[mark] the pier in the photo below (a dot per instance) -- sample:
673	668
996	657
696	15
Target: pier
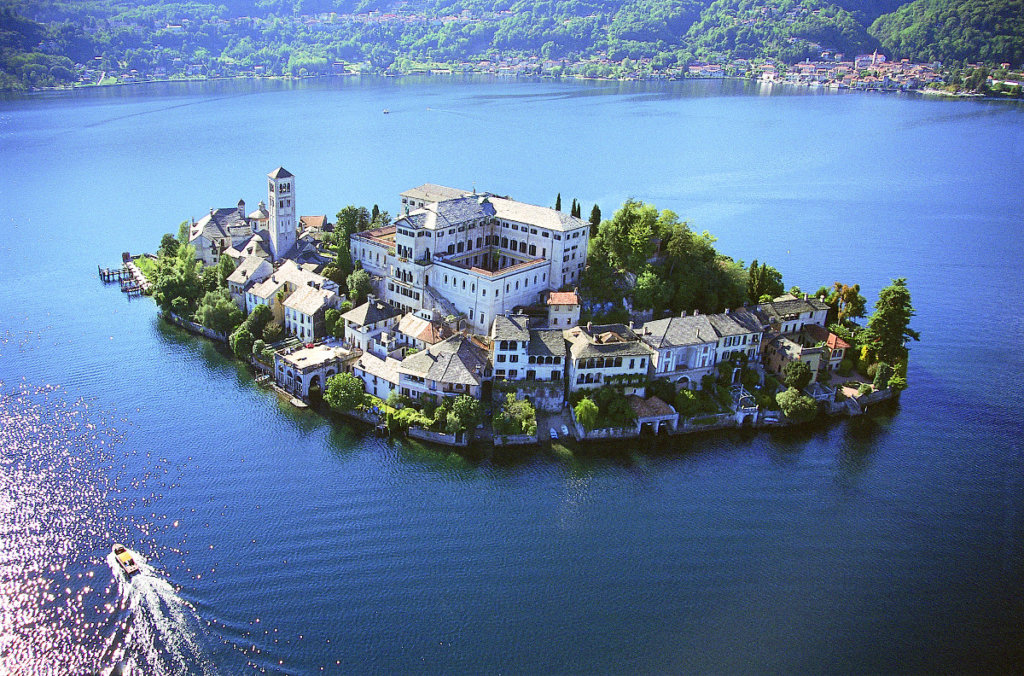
130	278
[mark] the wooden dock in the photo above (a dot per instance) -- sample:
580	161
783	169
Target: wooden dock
128	276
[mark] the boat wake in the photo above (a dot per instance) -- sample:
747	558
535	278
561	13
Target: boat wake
163	634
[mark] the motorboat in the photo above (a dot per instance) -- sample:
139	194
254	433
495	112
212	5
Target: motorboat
125	560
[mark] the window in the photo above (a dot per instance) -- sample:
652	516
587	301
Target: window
501	357
631	363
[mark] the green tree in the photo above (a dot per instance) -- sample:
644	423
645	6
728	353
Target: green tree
558	202
651	292
241	342
795	406
225	266
586	413
595	220
849	303
273	332
889	326
517	416
344	392
797	374
332	319
168	245
350	220
359	286
218	312
465	414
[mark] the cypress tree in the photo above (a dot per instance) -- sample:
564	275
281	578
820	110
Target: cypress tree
595	219
558	202
752	282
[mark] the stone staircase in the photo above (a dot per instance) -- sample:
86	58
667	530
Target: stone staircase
439	302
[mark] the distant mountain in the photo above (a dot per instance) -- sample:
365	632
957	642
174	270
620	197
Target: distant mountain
42	40
962	30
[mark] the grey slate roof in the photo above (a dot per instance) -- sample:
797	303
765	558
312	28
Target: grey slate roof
547	343
370	312
243	274
699	329
679	331
280	172
309	300
788	307
510	328
433	192
605	340
225	222
453	212
455	360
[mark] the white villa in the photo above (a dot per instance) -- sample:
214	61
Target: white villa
607	354
687	348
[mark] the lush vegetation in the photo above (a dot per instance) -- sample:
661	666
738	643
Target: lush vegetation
516	416
658	263
42	41
795	406
606	406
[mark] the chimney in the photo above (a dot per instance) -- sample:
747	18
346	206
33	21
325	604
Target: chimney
805	296
630	324
696	312
211	211
727	310
590	326
683	313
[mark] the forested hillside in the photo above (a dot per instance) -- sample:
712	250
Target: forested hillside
41	41
965	30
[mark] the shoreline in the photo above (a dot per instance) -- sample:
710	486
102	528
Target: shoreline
736	420
925	92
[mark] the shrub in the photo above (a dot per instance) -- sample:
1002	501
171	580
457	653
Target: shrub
586	413
686	403
724	396
882	376
771	384
863	389
871	371
751	378
707	382
897	383
845	366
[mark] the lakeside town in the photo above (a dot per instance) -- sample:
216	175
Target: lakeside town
865	72
463	320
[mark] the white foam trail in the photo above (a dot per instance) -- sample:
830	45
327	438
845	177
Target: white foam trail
166	635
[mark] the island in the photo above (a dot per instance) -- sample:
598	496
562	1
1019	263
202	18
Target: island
474	317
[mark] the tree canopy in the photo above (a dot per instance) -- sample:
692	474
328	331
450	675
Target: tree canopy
889	326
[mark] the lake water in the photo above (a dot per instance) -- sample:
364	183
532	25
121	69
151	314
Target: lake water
278	542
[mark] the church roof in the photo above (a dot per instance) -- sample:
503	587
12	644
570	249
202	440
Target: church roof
280	172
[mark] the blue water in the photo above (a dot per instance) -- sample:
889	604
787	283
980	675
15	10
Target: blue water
281	542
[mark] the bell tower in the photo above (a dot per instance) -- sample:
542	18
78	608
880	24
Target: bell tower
281	200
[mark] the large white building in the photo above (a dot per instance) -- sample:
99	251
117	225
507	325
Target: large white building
475	256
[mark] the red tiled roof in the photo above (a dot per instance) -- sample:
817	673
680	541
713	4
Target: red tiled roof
832	341
563	298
